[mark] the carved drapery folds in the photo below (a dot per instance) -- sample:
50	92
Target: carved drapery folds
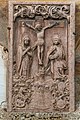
40	54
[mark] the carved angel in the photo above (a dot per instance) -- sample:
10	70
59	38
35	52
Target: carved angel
56	58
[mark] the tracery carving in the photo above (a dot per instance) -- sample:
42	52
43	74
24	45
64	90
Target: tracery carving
46	11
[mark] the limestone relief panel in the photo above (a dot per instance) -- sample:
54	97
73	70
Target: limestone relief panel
41	57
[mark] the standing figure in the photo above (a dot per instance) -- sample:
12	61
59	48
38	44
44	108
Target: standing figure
40	39
56	58
26	59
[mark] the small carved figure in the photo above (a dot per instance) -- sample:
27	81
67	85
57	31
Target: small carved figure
26	59
40	39
56	58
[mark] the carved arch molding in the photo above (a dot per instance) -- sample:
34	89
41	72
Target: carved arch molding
41	57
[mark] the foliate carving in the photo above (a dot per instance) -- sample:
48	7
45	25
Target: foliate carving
4	115
22	91
46	11
60	93
25	86
40	77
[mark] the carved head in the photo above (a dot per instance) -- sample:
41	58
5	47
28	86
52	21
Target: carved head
56	39
38	27
26	40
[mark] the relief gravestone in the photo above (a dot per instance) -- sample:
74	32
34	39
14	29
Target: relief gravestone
41	57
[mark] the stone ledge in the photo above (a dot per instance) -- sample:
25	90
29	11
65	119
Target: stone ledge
4	115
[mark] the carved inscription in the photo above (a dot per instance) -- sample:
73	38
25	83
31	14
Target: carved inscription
40	73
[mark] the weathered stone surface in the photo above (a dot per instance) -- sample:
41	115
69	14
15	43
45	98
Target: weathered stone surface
4	115
3	5
41	57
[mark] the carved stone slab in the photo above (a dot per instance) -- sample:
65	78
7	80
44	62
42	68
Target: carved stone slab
41	57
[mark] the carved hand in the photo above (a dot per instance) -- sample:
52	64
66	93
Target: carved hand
51	57
30	53
26	51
